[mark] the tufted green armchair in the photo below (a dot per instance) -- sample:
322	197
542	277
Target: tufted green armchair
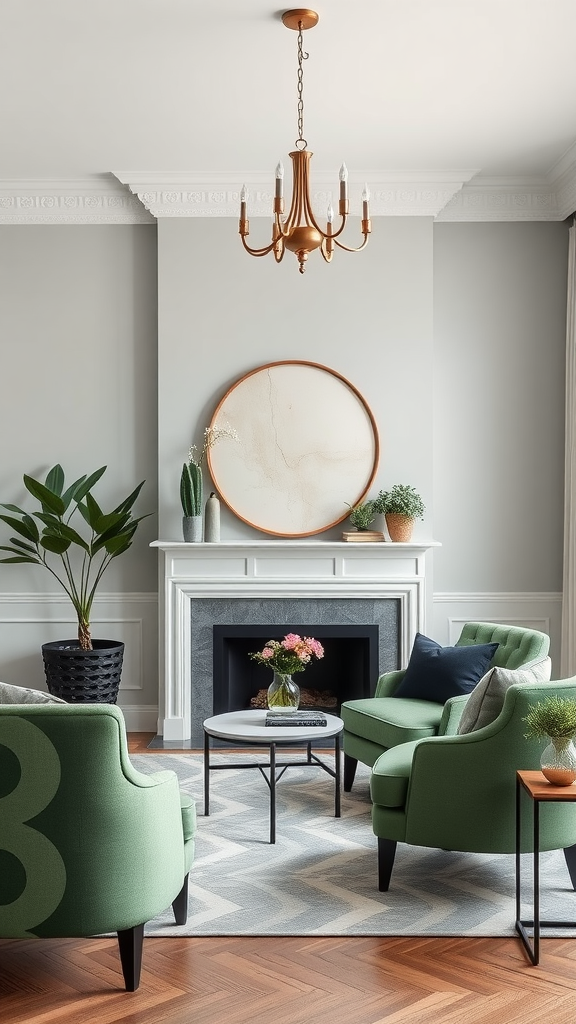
457	792
87	844
374	724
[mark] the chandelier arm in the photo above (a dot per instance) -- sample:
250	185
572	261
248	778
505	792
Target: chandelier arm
334	234
326	253
284	227
358	248
257	252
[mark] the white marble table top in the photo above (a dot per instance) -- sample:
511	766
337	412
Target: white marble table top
249	727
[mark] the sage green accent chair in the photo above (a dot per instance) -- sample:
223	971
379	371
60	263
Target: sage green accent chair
458	792
88	845
375	724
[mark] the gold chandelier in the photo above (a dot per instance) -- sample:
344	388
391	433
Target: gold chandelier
299	231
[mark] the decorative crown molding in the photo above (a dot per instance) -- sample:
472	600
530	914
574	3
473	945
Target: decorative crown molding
398	194
551	197
98	200
142	197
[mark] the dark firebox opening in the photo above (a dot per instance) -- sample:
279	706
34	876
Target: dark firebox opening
349	668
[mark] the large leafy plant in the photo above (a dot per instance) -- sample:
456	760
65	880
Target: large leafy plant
47	537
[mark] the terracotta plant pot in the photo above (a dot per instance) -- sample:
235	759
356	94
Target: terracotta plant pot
399	527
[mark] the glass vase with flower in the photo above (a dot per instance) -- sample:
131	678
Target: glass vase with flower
286	657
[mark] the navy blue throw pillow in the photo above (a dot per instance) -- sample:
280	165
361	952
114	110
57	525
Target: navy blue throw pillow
436	673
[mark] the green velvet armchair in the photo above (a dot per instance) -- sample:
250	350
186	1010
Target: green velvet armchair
374	724
457	792
88	844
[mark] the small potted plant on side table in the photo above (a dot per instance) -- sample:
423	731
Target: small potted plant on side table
401	506
554	719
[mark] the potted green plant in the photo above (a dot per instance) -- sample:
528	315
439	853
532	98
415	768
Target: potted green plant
555	720
362	515
82	669
401	505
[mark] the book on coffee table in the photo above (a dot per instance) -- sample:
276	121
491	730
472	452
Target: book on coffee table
309	719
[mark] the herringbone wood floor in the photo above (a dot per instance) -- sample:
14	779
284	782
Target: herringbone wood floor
288	980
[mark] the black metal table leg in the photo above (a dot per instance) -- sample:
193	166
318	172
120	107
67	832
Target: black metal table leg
517	853
206	774
272	792
337	769
536	813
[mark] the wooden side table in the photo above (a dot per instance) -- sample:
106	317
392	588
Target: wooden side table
540	791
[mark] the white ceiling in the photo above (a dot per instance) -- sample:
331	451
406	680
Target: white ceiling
177	90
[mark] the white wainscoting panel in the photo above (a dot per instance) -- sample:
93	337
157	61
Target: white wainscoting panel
533	610
29	620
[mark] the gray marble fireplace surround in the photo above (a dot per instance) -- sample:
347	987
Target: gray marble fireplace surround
274	612
276	582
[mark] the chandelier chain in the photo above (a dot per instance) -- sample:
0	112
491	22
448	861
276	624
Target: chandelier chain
302	55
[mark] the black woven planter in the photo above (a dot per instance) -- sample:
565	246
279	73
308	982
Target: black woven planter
83	677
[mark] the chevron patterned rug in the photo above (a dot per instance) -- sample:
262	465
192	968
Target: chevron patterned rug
320	877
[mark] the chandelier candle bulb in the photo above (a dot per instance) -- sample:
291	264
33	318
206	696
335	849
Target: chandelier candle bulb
329	240
243	221
279	180
365	201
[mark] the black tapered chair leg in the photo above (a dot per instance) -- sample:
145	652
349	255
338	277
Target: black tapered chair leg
386	854
350	765
130	944
180	904
570	857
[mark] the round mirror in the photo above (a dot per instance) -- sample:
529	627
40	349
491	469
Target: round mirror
307	448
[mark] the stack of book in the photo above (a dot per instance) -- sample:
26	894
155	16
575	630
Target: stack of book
363	536
308	719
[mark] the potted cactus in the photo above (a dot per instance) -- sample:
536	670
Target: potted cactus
191	483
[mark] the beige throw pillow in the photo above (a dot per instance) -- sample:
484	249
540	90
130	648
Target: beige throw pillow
487	698
22	695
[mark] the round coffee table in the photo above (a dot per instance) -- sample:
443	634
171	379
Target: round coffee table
248	728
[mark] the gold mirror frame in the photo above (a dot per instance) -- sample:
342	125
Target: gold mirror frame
308	447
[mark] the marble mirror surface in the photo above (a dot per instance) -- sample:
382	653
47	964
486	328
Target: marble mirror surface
307	448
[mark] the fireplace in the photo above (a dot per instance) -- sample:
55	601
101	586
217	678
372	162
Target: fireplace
348	670
284	582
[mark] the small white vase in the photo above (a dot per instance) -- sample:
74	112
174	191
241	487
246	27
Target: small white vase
192	529
212	519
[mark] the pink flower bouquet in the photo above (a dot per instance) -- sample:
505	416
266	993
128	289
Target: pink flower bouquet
292	654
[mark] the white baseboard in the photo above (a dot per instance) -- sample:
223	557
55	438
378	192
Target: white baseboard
139	718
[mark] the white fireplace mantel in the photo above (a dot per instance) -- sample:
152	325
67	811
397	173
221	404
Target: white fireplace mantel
274	569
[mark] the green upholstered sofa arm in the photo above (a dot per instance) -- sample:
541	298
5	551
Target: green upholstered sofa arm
452	714
389	682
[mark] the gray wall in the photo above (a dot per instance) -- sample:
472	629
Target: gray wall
368	316
474	419
499	343
78	326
